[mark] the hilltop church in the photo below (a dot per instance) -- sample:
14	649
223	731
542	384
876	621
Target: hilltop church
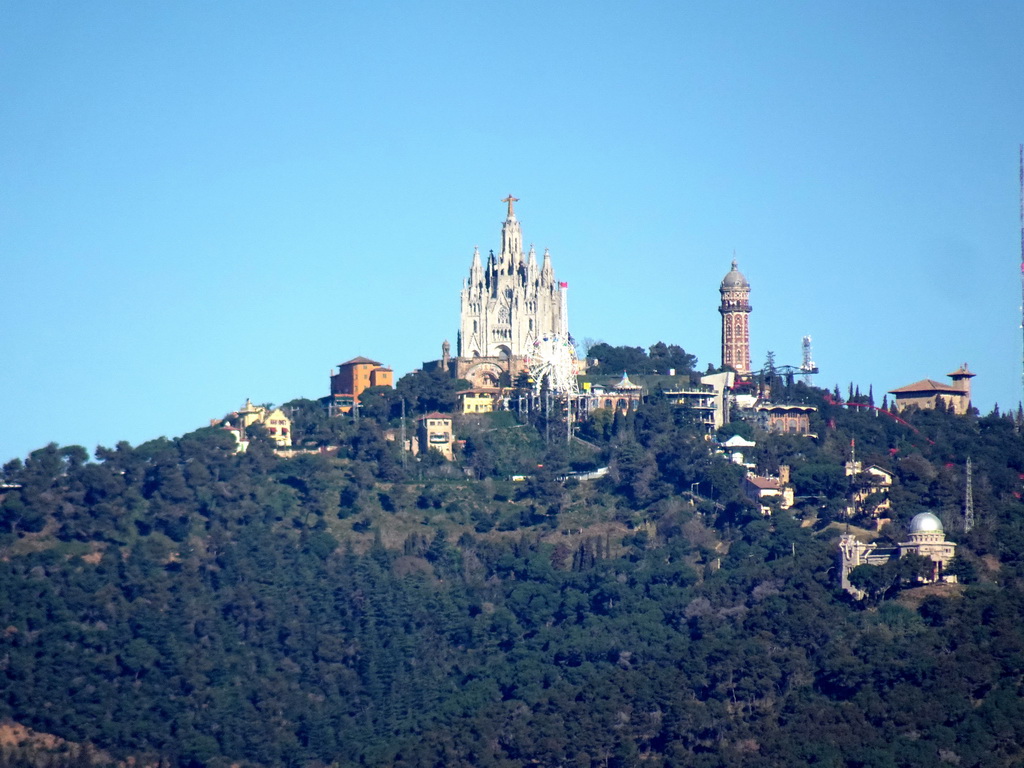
507	304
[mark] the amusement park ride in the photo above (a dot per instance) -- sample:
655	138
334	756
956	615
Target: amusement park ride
553	369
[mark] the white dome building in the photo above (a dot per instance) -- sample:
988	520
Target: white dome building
927	539
925	522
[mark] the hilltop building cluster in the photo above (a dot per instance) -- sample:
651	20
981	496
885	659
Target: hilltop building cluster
513	338
513	321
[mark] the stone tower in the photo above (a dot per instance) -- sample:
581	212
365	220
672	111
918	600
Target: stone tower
735	309
962	381
509	301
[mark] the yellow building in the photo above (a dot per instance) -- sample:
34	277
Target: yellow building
928	393
479	399
274	420
866	482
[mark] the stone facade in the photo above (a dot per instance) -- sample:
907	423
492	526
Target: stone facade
928	393
622	396
785	419
507	303
735	310
925	538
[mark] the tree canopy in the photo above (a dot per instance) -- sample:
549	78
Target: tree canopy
182	604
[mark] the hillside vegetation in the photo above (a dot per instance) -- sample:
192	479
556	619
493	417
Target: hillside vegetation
184	605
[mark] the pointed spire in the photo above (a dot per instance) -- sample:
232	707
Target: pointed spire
626	384
533	257
474	268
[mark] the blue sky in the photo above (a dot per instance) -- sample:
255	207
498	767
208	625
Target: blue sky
204	202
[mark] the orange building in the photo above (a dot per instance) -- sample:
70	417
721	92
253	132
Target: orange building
355	376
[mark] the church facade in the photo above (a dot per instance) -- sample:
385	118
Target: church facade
507	303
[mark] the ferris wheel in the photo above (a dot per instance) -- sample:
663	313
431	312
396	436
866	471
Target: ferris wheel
553	360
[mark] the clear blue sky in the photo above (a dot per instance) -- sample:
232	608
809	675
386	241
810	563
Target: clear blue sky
204	202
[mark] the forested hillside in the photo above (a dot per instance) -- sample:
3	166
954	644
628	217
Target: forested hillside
184	605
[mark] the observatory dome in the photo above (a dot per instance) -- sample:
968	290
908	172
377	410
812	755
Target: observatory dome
735	278
925	522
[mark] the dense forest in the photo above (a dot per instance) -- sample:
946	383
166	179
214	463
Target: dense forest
177	603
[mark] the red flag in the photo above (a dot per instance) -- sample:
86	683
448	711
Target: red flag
563	285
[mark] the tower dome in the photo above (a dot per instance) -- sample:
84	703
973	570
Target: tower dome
735	310
925	522
734	278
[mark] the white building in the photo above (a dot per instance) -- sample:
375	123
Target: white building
925	538
507	304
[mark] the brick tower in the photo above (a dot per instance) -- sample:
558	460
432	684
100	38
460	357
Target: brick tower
735	309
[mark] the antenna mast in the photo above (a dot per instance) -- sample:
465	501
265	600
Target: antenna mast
1022	256
808	366
968	501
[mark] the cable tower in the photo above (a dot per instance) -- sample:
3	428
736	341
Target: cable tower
968	501
808	366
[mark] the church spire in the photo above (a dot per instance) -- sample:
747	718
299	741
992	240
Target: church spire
511	237
475	269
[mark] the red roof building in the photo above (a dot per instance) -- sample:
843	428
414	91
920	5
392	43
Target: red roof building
927	394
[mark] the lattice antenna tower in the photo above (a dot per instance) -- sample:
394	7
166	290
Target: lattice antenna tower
969	500
808	365
1021	178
